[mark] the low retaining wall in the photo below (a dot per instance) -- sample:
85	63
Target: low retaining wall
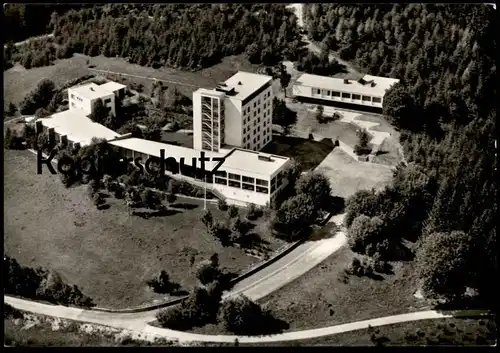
280	253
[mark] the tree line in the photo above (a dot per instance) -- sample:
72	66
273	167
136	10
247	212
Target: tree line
41	284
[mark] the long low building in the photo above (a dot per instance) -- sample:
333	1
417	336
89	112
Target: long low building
368	91
244	177
76	127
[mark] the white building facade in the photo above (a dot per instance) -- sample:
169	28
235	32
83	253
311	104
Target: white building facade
369	91
84	97
237	113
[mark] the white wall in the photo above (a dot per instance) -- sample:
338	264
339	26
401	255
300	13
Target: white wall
196	121
306	91
233	121
243	195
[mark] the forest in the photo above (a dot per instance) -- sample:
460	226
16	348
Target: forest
22	22
173	35
444	196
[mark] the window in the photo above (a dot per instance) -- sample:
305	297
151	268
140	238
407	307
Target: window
234	184
234	176
220	181
346	95
254	104
265	114
244	130
244	139
72	96
248	187
377	100
254	114
335	94
316	91
262	182
247	180
107	100
326	92
258	119
367	98
356	96
254	140
262	190
258	111
269	93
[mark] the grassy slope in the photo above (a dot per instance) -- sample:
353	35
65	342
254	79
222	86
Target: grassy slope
319	298
108	254
18	82
462	333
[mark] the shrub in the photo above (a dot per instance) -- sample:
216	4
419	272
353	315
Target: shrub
207	273
174	318
241	316
161	284
232	211
222	205
171	198
207	219
97	199
253	213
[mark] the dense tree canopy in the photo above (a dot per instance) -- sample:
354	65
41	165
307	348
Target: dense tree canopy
178	35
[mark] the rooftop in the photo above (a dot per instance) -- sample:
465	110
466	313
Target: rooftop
245	83
382	84
91	91
112	86
77	127
153	148
210	92
249	161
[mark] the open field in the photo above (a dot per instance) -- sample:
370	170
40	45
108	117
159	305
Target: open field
18	82
321	298
348	176
108	254
308	153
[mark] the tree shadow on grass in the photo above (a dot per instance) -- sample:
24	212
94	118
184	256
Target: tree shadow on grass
154	213
184	206
268	324
103	207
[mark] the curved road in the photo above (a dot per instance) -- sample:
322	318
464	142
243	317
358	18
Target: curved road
137	324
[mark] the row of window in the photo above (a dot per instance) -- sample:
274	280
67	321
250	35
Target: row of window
347	95
247	119
257	103
259	144
257	138
239	185
76	97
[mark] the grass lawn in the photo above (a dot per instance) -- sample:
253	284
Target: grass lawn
388	153
461	333
177	138
320	298
348	176
108	254
308	153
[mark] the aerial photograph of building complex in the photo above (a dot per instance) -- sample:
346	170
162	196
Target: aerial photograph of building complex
234	175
